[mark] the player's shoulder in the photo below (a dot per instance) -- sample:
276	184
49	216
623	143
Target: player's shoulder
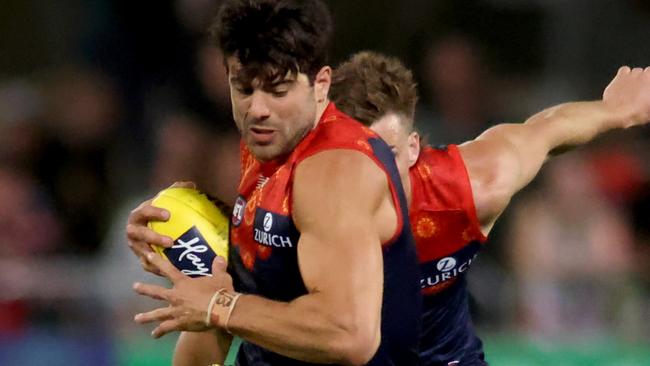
338	163
337	131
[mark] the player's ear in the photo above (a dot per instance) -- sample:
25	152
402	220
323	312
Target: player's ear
322	82
413	148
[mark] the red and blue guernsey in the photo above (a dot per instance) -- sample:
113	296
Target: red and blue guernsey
448	237
263	254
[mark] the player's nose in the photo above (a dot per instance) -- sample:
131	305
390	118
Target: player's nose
259	108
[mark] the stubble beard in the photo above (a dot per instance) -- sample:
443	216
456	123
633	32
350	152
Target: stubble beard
278	149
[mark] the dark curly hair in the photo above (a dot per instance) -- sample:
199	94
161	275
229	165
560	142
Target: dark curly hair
370	85
273	38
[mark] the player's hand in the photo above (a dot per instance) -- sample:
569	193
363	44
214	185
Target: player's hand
141	237
629	94
188	299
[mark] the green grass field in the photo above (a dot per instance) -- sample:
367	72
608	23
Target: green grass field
501	350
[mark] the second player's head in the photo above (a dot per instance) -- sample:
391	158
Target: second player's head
275	53
379	91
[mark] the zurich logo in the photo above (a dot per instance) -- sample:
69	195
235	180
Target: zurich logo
268	221
446	264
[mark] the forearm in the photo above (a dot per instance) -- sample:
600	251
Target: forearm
572	124
306	329
201	348
552	131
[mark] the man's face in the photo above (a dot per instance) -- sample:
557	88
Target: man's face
404	144
273	117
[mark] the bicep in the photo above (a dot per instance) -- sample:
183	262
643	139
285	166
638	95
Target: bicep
347	275
340	252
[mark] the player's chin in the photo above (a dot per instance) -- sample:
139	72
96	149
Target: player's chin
267	152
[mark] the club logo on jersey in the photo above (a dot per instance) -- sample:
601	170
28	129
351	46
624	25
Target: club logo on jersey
191	254
274	230
238	211
268	221
436	274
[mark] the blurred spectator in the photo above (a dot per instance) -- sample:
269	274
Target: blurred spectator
617	172
23	208
21	133
181	143
29	228
571	252
460	102
639	310
195	15
222	176
82	114
212	76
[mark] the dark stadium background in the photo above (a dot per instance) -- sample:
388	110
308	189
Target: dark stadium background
103	103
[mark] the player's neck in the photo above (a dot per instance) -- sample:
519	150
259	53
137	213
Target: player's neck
320	109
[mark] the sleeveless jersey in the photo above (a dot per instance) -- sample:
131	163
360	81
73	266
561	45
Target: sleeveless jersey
263	255
448	237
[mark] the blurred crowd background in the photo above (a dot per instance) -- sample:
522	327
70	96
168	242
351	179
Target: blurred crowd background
105	102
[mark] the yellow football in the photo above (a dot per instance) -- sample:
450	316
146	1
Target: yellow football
197	226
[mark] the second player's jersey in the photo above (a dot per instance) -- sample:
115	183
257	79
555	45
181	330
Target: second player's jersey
448	237
264	241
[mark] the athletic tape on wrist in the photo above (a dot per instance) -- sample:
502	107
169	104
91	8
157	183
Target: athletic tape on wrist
213	300
222	308
230	309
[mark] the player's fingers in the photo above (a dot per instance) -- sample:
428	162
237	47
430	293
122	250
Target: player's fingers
184	184
153	291
160	314
166	327
646	70
141	233
636	71
165	267
139	248
219	264
146	212
623	70
149	267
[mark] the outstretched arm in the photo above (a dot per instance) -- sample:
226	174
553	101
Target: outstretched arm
506	157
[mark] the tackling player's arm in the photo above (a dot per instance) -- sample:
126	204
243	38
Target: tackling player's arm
343	209
505	158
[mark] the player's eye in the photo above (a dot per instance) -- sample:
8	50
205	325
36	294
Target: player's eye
279	93
244	90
